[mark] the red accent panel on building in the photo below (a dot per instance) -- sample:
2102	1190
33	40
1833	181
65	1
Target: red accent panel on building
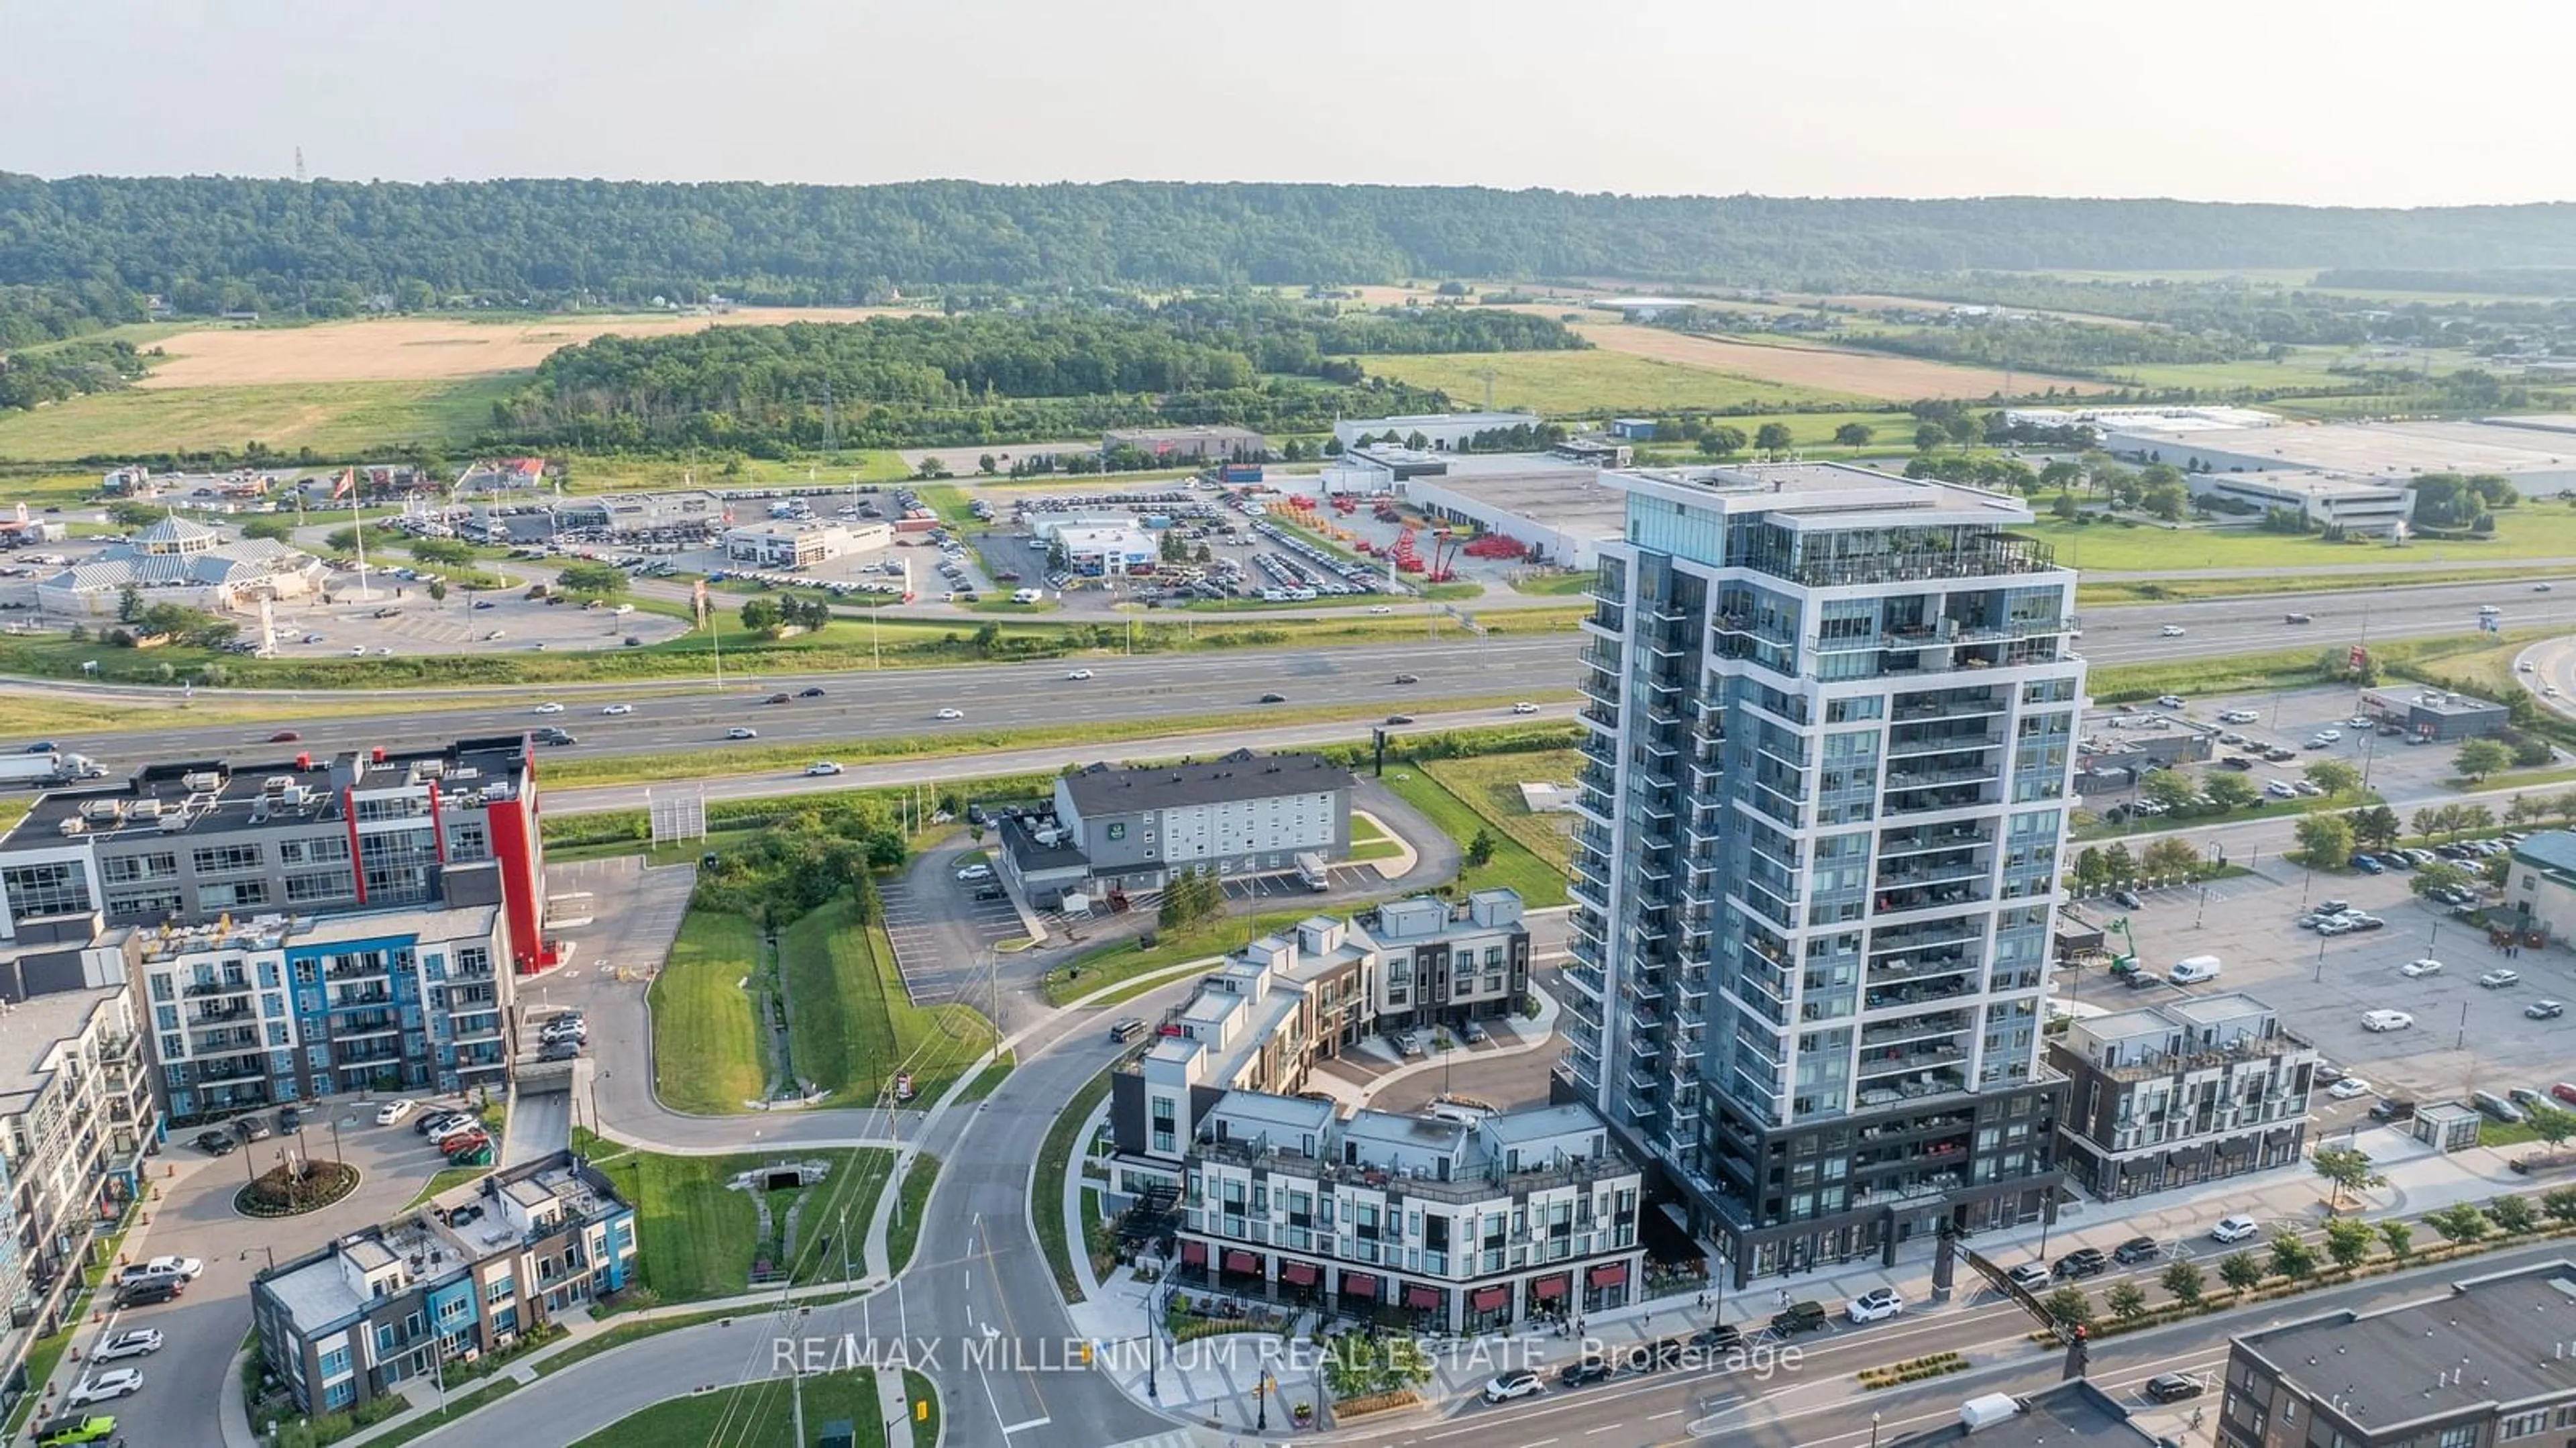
437	826
523	882
357	865
1609	1274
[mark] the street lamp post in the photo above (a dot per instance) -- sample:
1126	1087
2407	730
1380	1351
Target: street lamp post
1153	1350
1873	1430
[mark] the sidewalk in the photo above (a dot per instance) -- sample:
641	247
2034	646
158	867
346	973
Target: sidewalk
1531	1033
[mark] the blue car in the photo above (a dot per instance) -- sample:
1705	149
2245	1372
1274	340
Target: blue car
2368	866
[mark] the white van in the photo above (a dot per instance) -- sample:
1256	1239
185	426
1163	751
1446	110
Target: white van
2194	971
1025	595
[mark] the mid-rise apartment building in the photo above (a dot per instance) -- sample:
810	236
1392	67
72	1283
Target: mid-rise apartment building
464	1274
1435	1224
1261	1021
2180	1093
2483	1364
76	1112
251	1014
1830	722
200	842
1133	829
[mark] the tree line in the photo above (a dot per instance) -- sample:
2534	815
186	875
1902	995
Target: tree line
92	247
32	379
991	377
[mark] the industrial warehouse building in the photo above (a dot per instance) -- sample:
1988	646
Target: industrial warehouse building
1441	431
1188	444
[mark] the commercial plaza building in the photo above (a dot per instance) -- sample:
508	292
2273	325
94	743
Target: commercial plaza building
1830	721
2190	1091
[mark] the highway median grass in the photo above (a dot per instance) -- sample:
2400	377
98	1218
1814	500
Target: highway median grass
903	1234
696	1238
757	1412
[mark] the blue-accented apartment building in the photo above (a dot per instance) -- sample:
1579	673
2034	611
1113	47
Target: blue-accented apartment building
463	1274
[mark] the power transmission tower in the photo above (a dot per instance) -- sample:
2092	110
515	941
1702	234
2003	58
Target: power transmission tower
300	174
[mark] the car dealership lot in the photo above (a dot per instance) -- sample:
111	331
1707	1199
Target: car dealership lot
2464	1037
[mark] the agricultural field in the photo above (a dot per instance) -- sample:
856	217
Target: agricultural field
1822	370
1597	382
334	418
2534	530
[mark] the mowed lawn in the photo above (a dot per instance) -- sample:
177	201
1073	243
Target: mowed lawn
1593	381
708	1058
335	419
759	1413
1514	864
850	1025
696	1238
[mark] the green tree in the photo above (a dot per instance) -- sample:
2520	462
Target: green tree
2559	1204
2170	788
1774	438
1853	434
1480	850
592	580
129	603
1929	437
1722	442
1966	429
2346	1170
2348	1242
2479	758
2240	1271
2399	1237
2325	841
2183	1281
2127	1301
2118	865
2334	777
2291	1257
2463	1223
2172	860
275	527
2228	791
763	616
2552	1124
443	552
2165	500
438	590
2513	1215
2375	828
2068	1306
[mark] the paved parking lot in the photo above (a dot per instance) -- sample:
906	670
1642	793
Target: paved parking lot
635	915
1288	885
944	938
2464	1038
401	618
2402	773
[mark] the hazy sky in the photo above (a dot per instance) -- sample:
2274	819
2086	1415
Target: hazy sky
2324	101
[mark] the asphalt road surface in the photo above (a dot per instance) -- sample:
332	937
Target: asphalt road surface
674	716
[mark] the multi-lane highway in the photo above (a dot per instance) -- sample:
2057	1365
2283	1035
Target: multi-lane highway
674	715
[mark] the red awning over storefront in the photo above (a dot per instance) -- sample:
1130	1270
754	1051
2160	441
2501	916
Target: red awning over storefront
1548	1288
1418	1295
1301	1273
1609	1274
1486	1299
1194	1253
1359	1284
1242	1262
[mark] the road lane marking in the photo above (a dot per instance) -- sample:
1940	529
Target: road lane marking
1010	1428
1604	1428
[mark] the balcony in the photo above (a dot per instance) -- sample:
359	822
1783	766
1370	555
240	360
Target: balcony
1946	837
1600	687
1908	741
213	1015
1914	1030
2175	1063
1919	993
1590	892
1955	704
383	1023
225	1043
1585	978
1877	1065
1936	799
359	972
229	985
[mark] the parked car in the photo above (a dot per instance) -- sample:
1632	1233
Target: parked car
1584	1371
1724	1337
75	1428
972	873
2082	1262
2565	1091
2544	1010
2376	1021
2171	1388
2127	900
2235	1229
2136	1250
393	1111
2030	1277
252	1128
145	1294
1513	1385
217	1143
2498	979
2368	866
2495	1108
1798	1317
2391	1109
186	1269
1875	1305
2417	969
2348	1088
558	1050
434	1127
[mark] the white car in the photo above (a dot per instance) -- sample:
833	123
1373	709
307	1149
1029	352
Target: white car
549	707
2169	701
615	709
2235	1229
950	714
2171	631
1875	1305
2499	979
102	1387
393	1111
742	731
2031	1277
137	1343
2348	1088
2386	1020
822	767
974	874
2331	736
1524	707
1379	608
1079	674
187	1269
1512	1385
2417	968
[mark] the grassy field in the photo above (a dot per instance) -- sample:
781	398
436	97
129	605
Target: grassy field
1514	864
1046	1183
335	419
1823	370
904	1232
696	1239
1490	784
759	1414
1125	959
1595	381
850	1025
2534	530
2362	575
708	1057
